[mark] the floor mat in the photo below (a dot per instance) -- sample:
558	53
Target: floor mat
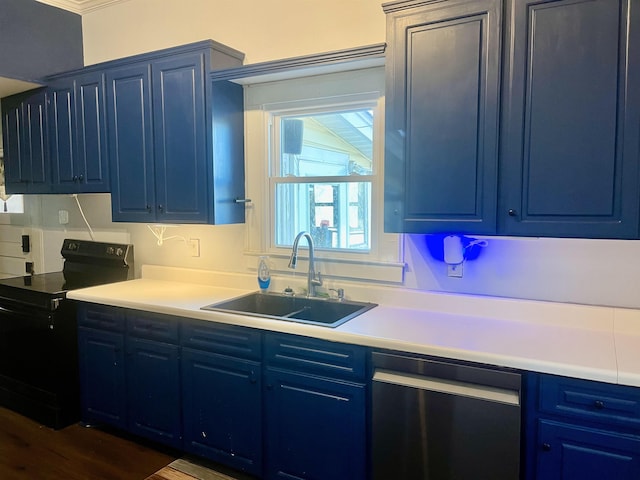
187	468
198	471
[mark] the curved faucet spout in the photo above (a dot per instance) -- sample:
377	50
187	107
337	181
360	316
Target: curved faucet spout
313	280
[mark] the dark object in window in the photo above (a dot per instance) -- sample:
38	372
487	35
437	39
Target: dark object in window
292	135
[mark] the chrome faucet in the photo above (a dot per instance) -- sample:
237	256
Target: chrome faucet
313	280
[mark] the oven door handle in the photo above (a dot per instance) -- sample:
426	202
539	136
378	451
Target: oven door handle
24	312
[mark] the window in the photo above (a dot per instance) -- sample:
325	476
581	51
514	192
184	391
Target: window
8	203
314	162
322	176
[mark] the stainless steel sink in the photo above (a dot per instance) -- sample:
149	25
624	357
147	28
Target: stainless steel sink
315	311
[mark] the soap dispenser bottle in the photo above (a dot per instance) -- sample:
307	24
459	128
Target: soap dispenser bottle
264	275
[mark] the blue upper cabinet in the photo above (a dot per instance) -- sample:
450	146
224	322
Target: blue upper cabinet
570	119
563	160
443	77
77	133
25	140
161	145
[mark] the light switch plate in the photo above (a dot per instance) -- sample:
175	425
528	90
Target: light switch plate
193	244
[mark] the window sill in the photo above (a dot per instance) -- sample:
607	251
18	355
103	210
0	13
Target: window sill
344	269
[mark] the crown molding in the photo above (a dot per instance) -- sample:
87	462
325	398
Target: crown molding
316	64
81	6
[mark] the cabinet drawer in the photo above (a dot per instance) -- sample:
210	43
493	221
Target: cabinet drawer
163	328
218	338
101	317
315	356
595	401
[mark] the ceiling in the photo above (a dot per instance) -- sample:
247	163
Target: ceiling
80	6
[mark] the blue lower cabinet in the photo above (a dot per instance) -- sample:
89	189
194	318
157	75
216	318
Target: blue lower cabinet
102	377
315	427
223	409
581	429
295	410
153	391
574	453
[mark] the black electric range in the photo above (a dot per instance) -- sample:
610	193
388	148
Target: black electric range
38	330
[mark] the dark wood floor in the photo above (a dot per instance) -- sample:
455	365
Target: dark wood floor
30	451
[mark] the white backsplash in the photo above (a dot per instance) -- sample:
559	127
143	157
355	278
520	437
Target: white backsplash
594	272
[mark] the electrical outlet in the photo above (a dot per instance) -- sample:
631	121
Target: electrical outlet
454	270
193	244
63	217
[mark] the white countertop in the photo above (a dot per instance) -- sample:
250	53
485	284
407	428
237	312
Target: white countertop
595	343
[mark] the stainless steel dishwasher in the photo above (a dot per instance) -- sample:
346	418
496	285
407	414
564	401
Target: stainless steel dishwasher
434	420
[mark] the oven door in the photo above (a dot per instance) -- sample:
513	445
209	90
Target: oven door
38	362
27	343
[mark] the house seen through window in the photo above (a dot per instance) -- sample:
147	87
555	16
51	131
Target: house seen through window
321	178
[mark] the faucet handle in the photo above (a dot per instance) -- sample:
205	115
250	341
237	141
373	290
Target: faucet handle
339	292
317	279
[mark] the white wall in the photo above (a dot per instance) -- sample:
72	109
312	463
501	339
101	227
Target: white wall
262	29
581	271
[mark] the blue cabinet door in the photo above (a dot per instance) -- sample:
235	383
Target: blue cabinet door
222	409
12	128
102	377
26	151
315	427
91	134
570	122
442	113
130	142
153	391
180	138
574	453
62	127
36	146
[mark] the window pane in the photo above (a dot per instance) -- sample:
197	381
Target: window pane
8	203
323	193
327	144
325	210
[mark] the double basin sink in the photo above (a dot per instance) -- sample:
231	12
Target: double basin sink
314	311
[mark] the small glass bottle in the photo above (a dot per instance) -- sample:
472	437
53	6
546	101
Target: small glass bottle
264	275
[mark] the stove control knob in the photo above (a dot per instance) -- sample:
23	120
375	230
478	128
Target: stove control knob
109	250
119	252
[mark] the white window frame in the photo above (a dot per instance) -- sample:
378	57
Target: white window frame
343	90
373	179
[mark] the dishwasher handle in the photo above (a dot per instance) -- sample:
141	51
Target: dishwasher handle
451	387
